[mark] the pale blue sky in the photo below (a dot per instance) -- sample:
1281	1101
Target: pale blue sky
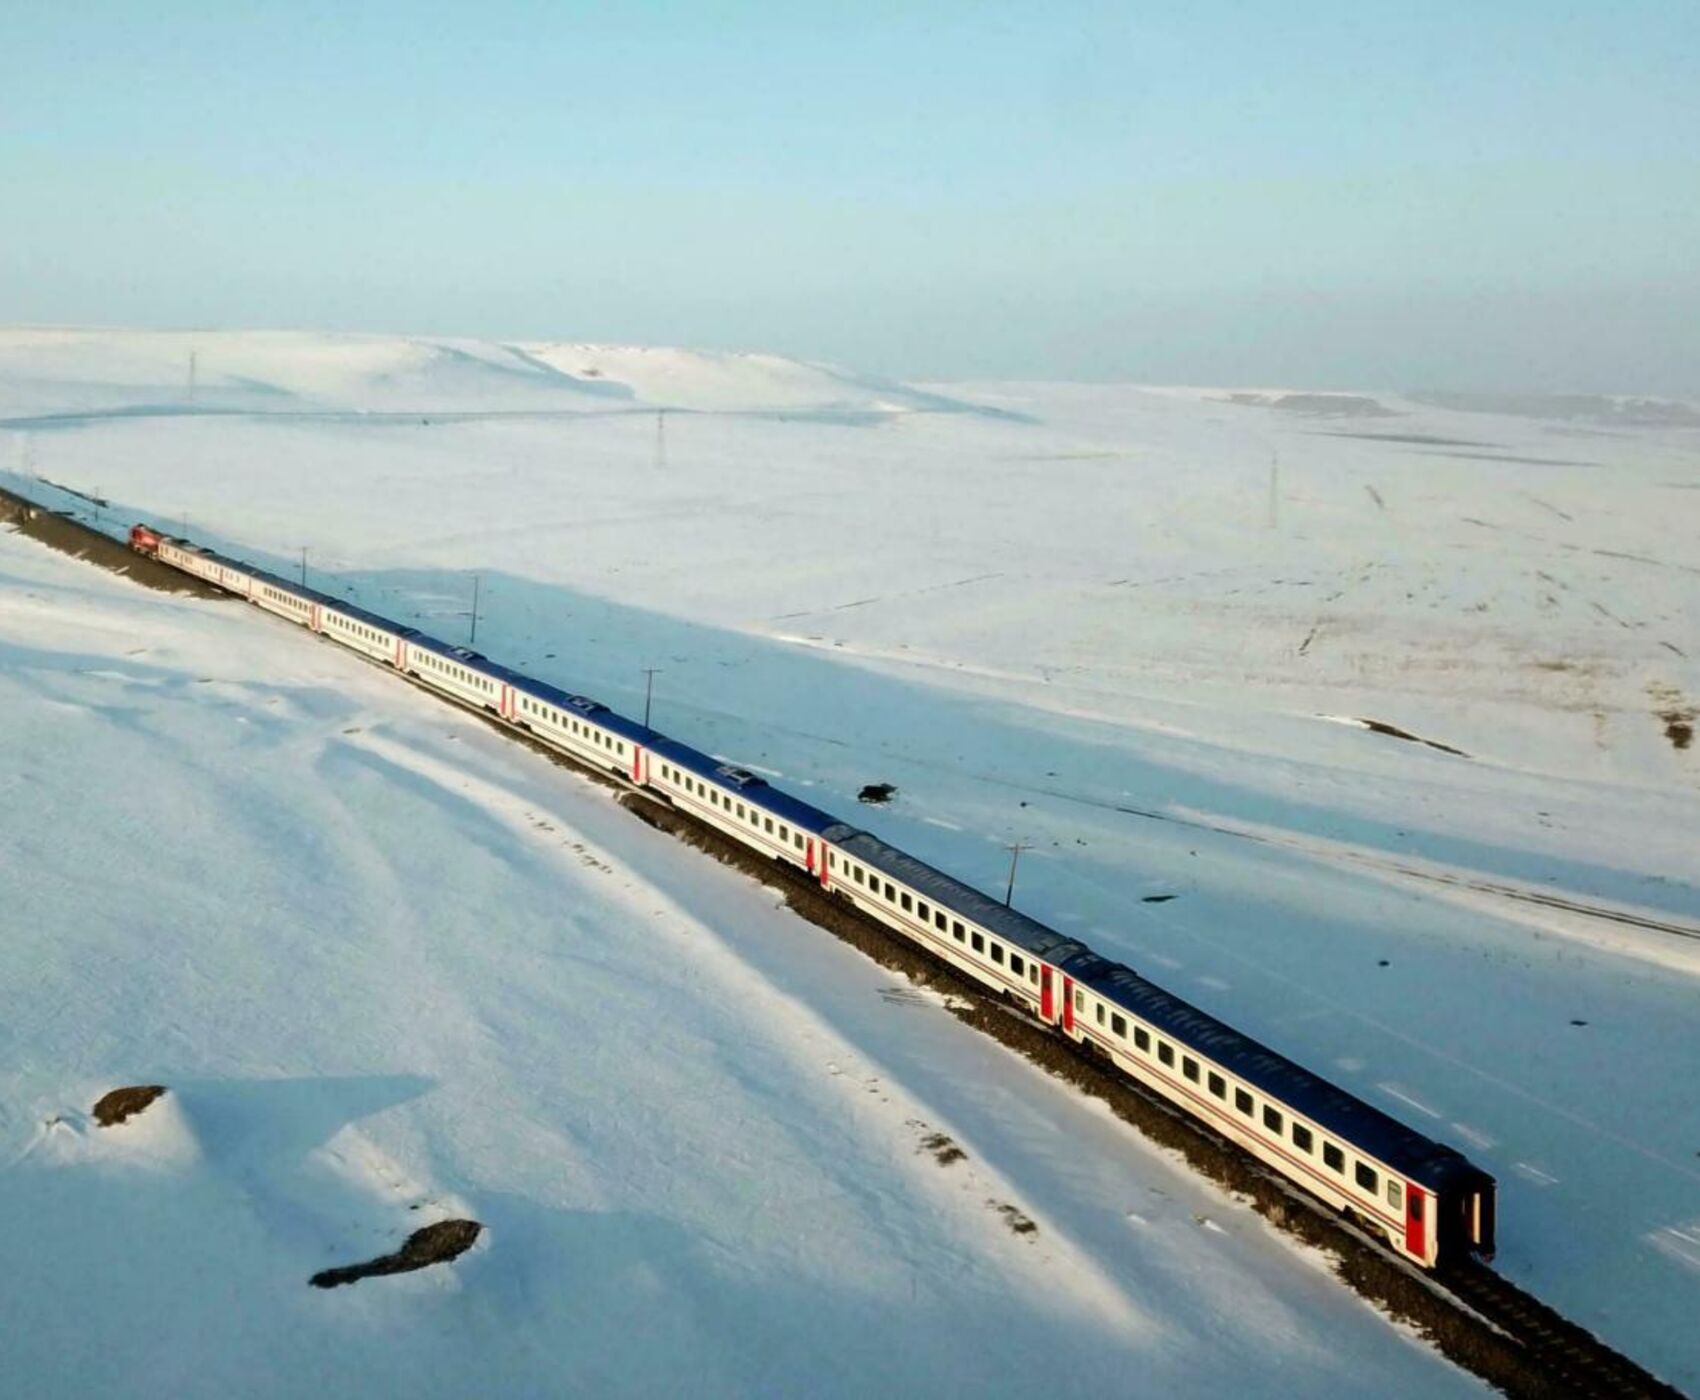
1487	195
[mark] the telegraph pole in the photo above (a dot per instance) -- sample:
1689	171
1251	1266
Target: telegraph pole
660	439
193	356
1274	489
1015	848
472	638
649	675
303	566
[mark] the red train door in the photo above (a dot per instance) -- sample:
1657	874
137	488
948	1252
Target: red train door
1415	1229
1068	1004
1047	998
637	764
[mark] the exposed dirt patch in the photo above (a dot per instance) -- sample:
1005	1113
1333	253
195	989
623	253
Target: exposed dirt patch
120	1104
1019	1222
1677	715
1377	726
435	1244
876	794
944	1148
81	541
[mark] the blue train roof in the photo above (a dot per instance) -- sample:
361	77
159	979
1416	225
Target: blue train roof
1331	1108
1008	924
755	789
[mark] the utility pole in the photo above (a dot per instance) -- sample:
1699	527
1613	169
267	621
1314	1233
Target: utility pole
472	638
303	566
1015	848
193	356
660	439
1274	489
649	675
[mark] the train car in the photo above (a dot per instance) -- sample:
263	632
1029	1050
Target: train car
745	806
1424	1198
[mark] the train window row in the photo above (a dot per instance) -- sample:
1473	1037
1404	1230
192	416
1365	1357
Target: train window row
370	634
750	815
588	732
433	662
1274	1120
940	920
288	600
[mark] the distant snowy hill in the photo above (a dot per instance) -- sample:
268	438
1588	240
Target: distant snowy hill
87	370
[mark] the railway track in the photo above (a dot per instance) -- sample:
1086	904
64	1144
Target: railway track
1477	1318
1580	1361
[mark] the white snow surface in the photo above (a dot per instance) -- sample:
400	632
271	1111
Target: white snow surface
395	969
1141	628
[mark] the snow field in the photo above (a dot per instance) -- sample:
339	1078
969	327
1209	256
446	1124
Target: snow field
395	969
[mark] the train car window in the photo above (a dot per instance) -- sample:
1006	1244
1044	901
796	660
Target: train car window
1079	996
890	893
767	823
1417	1209
1334	1158
925	911
1033	973
1189	1067
740	811
856	873
997	952
957	932
1366	1178
1165	1052
1301	1137
1142	1038
1016	965
980	947
1118	1024
1271	1119
1395	1194
1218	1085
784	834
907	903
1242	1101
1098	1007
938	920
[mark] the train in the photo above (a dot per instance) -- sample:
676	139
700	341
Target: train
1424	1199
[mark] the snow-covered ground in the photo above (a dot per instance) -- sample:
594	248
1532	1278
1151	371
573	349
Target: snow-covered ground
1140	628
394	969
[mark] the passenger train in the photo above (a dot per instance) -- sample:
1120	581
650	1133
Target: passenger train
1428	1202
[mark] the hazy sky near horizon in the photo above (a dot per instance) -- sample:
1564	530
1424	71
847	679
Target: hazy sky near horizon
1499	195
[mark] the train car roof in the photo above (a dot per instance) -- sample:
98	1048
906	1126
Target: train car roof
754	788
593	710
1331	1108
1015	927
